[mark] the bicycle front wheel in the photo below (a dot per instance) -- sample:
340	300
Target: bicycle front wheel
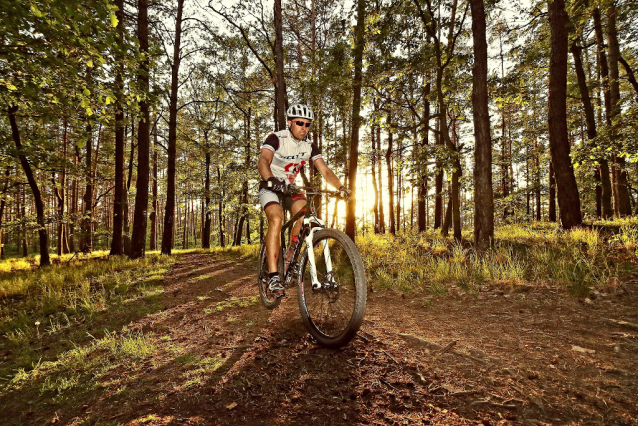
334	312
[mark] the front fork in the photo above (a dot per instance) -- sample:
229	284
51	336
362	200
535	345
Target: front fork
316	285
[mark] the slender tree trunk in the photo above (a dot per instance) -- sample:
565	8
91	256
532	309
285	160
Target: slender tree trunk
630	74
568	199
356	118
167	237
483	193
3	203
388	163
624	202
379	165
206	236
63	241
423	172
154	203
603	187
222	241
551	212
117	246
279	63
87	214
374	160
140	215
33	184
438	181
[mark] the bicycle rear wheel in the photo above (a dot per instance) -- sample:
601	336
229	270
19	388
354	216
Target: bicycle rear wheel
333	313
268	300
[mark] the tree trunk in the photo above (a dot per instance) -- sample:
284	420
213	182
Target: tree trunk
630	74
154	203
3	203
167	237
568	199
551	212
483	193
33	184
356	118
379	165
222	241
423	172
138	237
388	163
374	160
622	190
438	181
279	62
87	215
117	246
206	236
603	185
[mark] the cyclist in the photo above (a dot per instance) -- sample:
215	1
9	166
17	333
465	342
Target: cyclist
283	154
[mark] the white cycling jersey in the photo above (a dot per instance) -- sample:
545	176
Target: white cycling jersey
289	154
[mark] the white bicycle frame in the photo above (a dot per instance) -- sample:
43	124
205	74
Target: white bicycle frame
311	254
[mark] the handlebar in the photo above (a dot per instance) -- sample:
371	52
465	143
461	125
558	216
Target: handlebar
309	190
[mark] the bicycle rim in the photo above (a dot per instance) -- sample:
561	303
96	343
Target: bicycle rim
268	300
334	313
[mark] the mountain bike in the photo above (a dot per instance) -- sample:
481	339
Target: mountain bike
328	271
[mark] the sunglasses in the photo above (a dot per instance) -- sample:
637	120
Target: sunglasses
301	123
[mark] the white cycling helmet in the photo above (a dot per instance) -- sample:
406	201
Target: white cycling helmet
300	111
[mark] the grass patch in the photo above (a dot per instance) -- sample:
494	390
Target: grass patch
236	302
539	253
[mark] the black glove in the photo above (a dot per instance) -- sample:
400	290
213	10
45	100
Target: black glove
344	192
277	185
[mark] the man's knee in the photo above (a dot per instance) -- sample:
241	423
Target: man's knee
275	216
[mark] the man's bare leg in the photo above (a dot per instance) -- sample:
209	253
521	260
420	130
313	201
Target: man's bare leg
275	216
297	205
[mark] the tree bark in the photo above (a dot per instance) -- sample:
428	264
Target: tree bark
483	193
3	203
220	207
438	181
87	215
603	185
117	246
167	237
33	184
356	117
374	160
388	164
138	237
423	172
622	190
154	202
568	199
206	236
630	74
279	63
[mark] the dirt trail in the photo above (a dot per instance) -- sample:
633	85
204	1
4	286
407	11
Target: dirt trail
535	356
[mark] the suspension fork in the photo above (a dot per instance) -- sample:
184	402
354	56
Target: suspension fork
316	285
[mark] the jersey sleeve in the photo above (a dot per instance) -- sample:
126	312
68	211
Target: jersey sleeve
315	152
271	142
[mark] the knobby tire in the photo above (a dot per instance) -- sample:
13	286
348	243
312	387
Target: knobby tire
333	317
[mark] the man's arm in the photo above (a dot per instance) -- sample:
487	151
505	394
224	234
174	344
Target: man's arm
263	165
327	174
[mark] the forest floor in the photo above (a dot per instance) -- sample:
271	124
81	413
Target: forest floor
205	351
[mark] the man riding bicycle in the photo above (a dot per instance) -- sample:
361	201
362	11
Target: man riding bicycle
283	154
